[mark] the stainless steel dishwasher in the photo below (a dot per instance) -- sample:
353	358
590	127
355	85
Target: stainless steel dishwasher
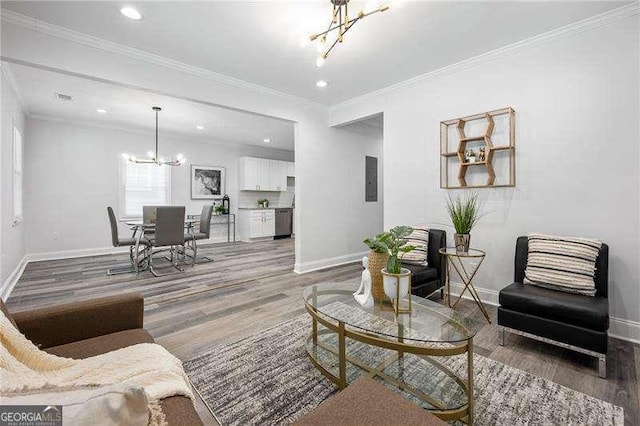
284	223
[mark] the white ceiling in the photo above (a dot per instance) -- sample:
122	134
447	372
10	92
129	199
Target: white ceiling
259	41
132	108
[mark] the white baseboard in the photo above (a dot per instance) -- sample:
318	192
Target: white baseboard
624	329
618	327
304	267
71	254
10	282
489	297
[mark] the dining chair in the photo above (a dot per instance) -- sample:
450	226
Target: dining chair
116	241
203	233
168	235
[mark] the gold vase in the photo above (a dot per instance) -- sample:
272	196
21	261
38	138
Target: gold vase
377	261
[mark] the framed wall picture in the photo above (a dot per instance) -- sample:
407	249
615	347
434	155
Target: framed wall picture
207	182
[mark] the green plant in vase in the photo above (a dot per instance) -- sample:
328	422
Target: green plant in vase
220	209
396	279
464	212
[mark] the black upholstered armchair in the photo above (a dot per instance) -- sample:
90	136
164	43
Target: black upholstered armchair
427	279
572	321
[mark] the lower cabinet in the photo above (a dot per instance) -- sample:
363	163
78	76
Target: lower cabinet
257	223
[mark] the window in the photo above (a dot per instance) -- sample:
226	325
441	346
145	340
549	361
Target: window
17	176
143	185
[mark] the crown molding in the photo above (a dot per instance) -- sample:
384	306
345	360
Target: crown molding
11	17
8	74
128	128
614	15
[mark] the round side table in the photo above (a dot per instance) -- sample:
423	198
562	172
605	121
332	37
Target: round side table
455	260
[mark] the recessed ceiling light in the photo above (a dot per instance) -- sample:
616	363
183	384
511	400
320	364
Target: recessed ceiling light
101	111
131	13
321	83
266	140
200	127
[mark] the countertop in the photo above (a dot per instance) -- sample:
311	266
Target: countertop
265	208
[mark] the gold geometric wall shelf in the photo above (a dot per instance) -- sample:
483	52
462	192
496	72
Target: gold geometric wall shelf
457	150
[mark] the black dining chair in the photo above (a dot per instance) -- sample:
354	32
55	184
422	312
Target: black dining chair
116	241
168	235
203	233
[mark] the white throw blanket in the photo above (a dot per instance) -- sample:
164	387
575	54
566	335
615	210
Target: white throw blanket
24	368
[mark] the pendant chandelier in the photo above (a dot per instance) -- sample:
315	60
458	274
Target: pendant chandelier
154	158
341	22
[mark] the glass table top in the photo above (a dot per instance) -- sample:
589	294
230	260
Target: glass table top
428	321
452	251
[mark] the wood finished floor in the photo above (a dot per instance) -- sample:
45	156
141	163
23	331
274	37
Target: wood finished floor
251	287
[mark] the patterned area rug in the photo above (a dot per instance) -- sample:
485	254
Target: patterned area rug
267	378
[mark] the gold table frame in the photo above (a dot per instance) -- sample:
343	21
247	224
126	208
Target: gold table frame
463	413
465	276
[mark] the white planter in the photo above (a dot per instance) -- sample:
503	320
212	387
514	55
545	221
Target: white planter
390	281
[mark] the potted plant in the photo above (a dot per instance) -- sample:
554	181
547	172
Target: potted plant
395	279
220	209
263	202
464	213
378	258
471	156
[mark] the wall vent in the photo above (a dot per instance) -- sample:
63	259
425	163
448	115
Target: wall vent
63	97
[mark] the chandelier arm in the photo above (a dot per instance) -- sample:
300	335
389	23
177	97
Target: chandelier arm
336	40
348	23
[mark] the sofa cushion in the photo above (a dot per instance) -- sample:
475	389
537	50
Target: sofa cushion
102	344
419	238
579	310
421	274
178	410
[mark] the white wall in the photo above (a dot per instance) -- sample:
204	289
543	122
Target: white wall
71	176
11	237
334	216
576	99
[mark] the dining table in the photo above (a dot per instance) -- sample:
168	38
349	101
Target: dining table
139	227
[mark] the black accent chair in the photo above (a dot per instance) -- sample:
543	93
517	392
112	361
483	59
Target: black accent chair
572	321
427	279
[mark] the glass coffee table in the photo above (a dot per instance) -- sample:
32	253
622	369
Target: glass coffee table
426	354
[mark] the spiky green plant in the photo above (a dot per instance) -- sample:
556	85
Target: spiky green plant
394	243
464	212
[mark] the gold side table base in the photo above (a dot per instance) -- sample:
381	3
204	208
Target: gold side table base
455	260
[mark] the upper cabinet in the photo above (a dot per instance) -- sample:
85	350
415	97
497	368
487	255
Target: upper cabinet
261	174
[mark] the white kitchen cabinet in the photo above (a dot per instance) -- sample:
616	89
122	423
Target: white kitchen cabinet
261	174
291	169
278	175
257	223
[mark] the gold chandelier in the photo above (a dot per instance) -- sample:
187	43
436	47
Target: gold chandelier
341	22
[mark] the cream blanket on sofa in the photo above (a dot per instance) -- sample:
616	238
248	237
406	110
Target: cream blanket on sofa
24	368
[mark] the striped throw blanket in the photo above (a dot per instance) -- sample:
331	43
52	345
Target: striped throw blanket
420	239
562	263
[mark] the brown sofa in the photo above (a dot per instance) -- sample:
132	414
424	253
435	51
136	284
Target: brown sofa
83	329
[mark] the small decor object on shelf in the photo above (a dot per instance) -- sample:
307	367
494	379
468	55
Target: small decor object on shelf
470	156
395	279
464	213
481	154
263	202
363	295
